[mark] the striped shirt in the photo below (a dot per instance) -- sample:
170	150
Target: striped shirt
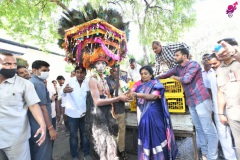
167	56
191	78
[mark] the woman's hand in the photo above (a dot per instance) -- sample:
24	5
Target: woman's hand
131	95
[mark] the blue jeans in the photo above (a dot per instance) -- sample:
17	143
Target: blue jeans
206	130
74	125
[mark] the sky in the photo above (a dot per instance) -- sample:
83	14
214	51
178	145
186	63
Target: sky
212	25
211	14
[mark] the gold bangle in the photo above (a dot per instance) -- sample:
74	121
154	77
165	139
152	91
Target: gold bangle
50	127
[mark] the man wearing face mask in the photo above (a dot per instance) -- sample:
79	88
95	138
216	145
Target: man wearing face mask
41	73
16	98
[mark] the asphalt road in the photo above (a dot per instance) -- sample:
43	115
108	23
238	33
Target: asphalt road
61	149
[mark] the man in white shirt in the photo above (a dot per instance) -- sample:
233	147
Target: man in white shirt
133	71
61	81
74	92
224	131
206	71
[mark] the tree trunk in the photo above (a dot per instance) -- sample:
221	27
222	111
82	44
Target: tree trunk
145	55
60	4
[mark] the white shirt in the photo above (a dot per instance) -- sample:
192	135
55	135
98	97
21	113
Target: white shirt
16	95
52	91
134	74
209	80
75	102
213	85
205	77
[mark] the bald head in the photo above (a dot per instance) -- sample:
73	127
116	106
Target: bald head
7	61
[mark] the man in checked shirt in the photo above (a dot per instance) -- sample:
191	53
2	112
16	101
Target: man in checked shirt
198	100
165	55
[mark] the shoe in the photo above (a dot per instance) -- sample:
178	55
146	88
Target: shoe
88	157
124	156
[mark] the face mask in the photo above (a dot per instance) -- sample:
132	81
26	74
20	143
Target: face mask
8	73
44	75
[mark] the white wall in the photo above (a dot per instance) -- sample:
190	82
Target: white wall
57	63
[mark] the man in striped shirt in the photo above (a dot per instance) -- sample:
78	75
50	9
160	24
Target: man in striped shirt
165	54
198	100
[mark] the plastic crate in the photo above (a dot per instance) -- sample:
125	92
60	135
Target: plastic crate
172	86
132	104
130	84
175	100
176	103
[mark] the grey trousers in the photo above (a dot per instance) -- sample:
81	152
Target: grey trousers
235	128
16	152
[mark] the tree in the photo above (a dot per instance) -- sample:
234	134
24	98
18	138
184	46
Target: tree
30	19
22	62
156	19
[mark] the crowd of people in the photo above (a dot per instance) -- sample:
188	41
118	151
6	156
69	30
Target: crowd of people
212	96
94	106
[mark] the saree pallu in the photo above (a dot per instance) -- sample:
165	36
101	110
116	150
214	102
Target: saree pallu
156	140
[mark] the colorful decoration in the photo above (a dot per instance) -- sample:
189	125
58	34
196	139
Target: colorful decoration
99	35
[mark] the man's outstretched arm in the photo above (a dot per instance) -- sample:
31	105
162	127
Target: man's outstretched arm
37	114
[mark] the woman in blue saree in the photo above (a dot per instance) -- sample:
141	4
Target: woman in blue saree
155	135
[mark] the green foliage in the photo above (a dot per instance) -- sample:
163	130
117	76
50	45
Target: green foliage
22	62
69	68
130	56
29	20
158	20
163	20
37	20
141	62
152	58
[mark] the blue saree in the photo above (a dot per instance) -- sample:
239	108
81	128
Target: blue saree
156	139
